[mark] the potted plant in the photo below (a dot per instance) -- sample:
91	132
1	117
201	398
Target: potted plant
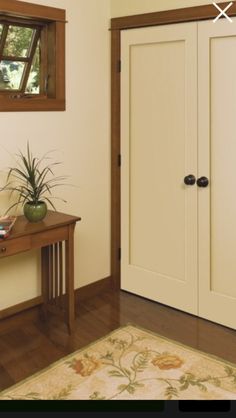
33	181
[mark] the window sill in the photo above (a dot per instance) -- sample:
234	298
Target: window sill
31	105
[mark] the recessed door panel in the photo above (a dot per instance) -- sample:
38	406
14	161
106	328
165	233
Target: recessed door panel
155	172
159	148
217	159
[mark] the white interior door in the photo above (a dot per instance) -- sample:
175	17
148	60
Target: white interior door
159	148
217	161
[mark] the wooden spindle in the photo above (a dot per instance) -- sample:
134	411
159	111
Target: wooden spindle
56	272
51	271
61	276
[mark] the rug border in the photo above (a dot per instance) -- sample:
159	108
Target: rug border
129	324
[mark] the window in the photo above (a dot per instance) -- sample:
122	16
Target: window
32	57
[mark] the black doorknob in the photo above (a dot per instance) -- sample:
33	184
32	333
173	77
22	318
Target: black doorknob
190	180
203	182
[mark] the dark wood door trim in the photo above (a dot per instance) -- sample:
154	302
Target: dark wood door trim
115	159
188	14
117	25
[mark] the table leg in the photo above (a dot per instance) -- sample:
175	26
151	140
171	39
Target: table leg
69	259
45	280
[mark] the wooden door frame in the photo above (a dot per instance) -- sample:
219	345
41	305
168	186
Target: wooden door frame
190	14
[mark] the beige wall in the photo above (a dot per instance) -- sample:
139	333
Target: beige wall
132	7
82	137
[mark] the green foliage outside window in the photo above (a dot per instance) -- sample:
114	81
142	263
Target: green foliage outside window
18	41
18	52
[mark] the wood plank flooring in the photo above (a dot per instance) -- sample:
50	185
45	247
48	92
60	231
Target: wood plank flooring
28	345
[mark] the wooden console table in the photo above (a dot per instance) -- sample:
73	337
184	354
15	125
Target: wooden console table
55	236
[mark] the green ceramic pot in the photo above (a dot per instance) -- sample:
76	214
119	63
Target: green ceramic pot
35	212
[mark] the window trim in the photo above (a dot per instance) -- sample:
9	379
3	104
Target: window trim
53	21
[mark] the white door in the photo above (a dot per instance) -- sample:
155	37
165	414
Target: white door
217	161
159	148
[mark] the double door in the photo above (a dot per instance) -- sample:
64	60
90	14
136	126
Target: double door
178	130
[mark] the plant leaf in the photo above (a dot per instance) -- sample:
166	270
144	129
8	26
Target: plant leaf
31	180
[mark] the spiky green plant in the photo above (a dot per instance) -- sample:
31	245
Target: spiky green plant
33	180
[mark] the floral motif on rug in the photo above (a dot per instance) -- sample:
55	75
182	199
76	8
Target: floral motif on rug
131	364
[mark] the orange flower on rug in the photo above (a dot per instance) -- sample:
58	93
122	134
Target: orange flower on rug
131	364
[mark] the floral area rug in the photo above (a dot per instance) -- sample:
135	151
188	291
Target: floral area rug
131	364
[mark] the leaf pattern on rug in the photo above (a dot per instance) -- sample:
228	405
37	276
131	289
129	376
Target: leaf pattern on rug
132	364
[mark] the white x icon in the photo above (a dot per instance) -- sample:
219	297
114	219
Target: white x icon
223	12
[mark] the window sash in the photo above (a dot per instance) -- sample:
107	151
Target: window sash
27	60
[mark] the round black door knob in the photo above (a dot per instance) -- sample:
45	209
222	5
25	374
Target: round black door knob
190	180
203	182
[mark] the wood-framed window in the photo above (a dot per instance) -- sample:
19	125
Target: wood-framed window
32	57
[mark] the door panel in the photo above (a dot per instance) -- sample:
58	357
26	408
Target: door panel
155	172
159	148
217	159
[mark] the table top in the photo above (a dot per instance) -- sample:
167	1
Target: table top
52	220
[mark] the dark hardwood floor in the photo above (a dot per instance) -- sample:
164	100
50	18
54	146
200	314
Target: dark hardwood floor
28	345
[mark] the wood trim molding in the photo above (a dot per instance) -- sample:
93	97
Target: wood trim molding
21	8
81	295
115	165
188	14
13	310
91	290
32	105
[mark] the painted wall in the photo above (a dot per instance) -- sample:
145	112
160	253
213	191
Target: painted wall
81	136
132	7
